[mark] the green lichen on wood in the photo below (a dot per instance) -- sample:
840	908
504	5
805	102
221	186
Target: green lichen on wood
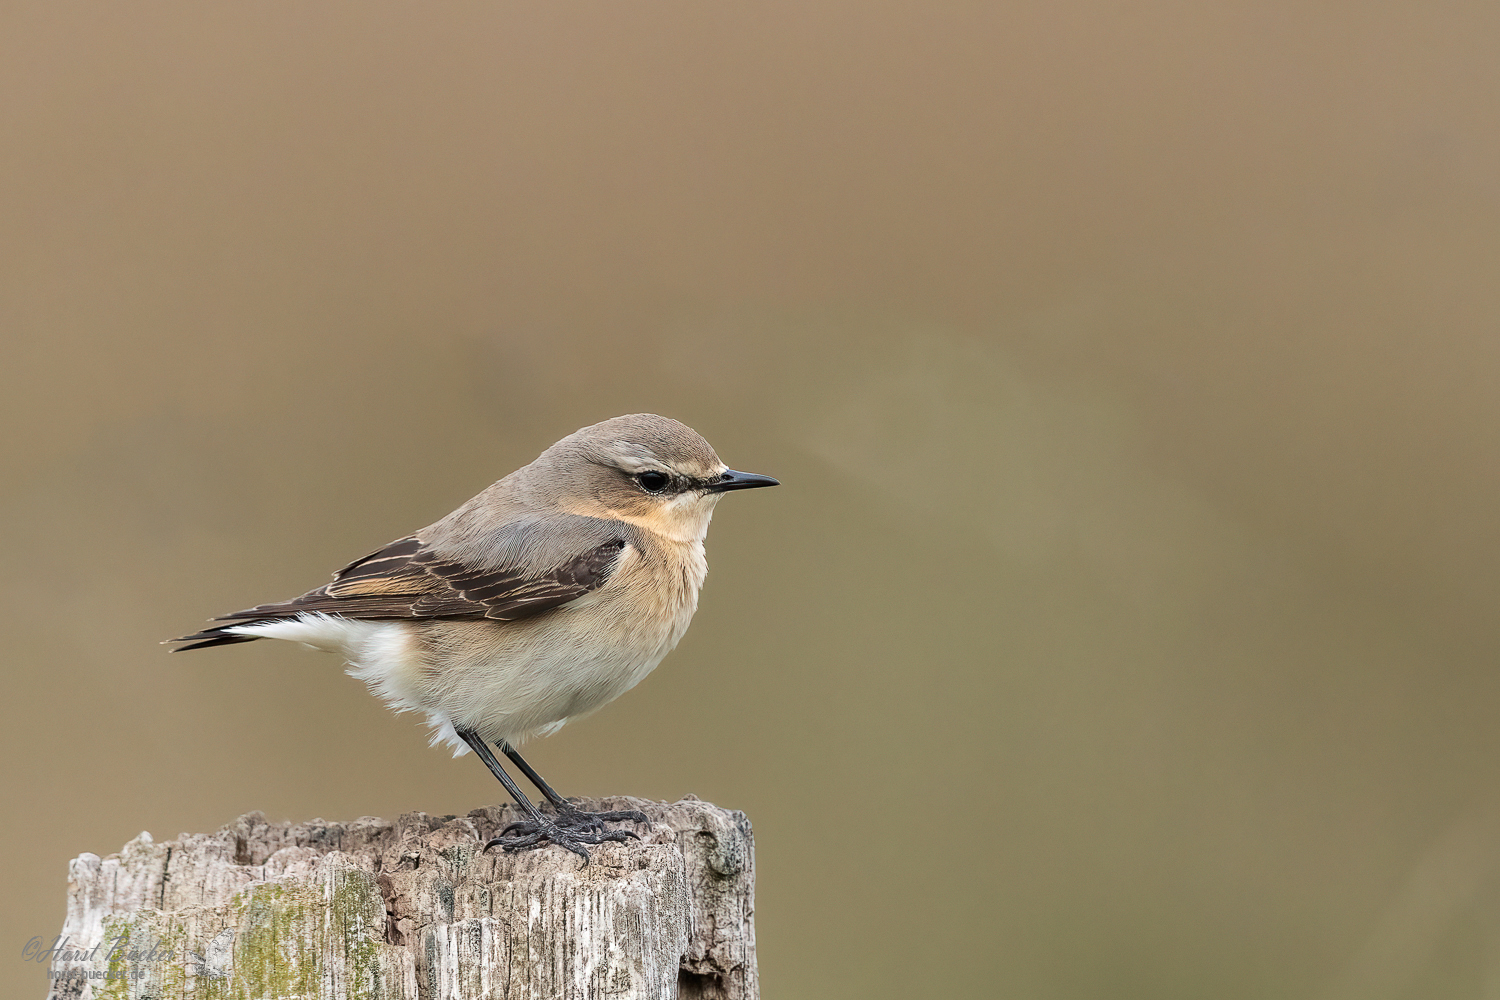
173	973
293	940
148	944
272	957
290	938
356	911
117	932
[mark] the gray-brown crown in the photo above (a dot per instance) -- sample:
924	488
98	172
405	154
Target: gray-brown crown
639	441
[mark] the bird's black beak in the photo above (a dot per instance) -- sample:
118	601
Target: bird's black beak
731	480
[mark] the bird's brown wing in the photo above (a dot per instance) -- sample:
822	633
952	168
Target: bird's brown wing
410	579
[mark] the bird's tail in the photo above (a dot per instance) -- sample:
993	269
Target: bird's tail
215	636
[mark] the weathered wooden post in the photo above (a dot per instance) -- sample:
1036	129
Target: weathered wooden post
412	909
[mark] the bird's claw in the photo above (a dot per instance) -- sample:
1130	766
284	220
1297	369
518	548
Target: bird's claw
579	821
570	829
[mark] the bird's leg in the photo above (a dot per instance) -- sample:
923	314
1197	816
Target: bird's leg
558	802
482	748
538	829
569	815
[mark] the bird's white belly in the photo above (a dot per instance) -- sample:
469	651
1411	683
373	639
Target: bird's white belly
507	680
546	672
514	697
503	680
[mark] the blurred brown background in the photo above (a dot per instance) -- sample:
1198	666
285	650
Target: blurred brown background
1126	624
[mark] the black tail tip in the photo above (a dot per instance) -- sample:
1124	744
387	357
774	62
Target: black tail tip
202	640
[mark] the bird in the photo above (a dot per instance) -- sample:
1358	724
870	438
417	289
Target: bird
549	594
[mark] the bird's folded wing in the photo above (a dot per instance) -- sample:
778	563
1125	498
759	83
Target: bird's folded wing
528	568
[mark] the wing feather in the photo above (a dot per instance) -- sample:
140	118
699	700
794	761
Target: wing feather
410	579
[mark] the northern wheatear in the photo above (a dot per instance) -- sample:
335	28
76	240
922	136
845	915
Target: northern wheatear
552	592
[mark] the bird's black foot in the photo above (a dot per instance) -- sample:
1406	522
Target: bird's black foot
569	828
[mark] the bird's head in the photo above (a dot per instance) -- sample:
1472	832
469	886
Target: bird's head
651	471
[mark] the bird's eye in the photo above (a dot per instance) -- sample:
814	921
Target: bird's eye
653	482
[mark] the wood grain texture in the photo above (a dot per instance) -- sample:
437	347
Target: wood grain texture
412	909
